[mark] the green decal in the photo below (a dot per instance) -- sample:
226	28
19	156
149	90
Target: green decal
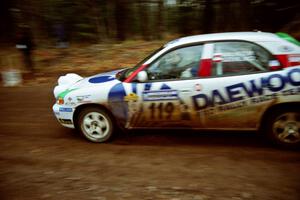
288	38
64	93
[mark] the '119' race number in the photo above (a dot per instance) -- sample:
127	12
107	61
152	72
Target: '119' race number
157	110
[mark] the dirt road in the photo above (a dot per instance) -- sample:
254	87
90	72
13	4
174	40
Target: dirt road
39	159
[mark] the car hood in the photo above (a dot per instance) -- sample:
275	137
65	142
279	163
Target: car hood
73	81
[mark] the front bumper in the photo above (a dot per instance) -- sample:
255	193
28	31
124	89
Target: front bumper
64	115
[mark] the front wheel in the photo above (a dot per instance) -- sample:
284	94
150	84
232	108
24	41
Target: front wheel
284	127
95	124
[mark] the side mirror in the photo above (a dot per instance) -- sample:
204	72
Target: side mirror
142	76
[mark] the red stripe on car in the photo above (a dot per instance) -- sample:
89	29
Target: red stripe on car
205	68
283	59
289	60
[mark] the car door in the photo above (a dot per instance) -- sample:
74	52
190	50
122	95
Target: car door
165	99
237	86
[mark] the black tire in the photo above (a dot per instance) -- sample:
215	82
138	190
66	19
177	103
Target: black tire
283	127
95	124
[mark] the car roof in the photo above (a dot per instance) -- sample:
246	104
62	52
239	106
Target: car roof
248	36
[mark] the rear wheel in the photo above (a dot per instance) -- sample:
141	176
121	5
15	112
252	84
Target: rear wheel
284	127
95	124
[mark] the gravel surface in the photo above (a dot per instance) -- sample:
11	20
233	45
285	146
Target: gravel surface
39	159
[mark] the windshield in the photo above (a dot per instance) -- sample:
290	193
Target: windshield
127	72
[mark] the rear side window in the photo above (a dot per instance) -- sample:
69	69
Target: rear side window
234	58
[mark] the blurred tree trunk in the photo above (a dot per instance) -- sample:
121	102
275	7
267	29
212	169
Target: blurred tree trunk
185	18
105	19
245	15
121	18
144	19
160	20
225	22
96	16
6	21
208	18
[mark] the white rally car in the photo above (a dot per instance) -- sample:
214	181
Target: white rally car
227	81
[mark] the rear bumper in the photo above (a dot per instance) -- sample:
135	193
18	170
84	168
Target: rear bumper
64	115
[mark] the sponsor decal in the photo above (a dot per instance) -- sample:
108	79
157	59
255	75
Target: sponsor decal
70	102
165	105
83	98
252	89
101	79
124	104
289	92
131	97
160	95
133	110
116	102
164	93
64	109
248	102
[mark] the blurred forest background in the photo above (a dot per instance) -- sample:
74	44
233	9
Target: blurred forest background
96	32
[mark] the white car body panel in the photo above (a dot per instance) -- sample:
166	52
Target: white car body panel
229	102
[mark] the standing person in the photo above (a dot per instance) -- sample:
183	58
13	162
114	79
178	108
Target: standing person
61	36
25	45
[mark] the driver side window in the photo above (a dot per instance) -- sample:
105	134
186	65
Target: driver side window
176	64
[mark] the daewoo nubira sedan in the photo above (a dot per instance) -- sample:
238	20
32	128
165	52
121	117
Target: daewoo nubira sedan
223	81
